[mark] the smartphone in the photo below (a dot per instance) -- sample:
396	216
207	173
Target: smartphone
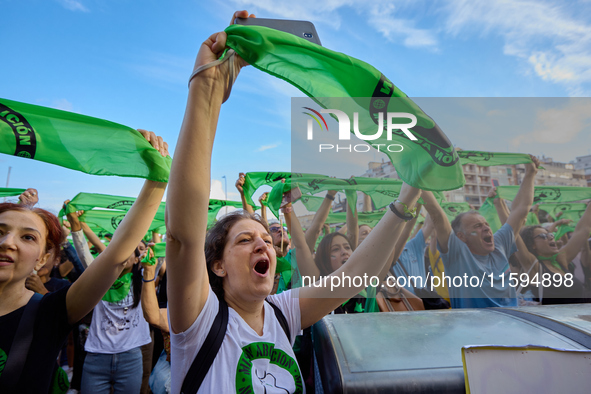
495	182
302	29
290	196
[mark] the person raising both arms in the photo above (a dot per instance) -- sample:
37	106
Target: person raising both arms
232	267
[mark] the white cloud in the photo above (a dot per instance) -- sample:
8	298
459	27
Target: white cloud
556	44
559	125
62	104
266	147
382	15
73	5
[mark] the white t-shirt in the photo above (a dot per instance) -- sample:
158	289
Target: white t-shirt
246	362
117	327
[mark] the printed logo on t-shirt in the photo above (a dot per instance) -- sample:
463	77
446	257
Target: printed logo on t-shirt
2	361
264	369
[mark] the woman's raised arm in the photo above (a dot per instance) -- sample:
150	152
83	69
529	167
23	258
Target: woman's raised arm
188	194
367	261
92	285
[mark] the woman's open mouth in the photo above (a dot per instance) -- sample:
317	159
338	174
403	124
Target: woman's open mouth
262	267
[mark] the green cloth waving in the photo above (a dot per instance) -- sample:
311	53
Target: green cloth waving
429	163
82	143
548	194
119	289
8	192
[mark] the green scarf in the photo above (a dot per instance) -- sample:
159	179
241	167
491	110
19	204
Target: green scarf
79	142
429	163
119	290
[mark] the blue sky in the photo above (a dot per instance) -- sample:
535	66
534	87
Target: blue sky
128	62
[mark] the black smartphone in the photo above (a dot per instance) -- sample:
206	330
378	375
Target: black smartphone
302	29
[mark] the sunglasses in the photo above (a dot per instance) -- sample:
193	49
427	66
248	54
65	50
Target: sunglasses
545	236
277	229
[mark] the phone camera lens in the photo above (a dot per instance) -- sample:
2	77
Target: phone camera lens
308	35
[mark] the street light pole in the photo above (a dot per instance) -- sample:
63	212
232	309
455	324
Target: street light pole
7	179
226	191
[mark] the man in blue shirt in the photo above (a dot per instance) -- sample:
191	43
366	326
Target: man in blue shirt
411	263
475	260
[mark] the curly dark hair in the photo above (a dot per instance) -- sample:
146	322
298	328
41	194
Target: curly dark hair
322	258
527	235
216	240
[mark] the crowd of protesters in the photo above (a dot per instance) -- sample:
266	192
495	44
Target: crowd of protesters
121	320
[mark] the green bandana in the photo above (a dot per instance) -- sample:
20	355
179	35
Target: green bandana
119	290
430	162
8	192
79	142
548	194
486	159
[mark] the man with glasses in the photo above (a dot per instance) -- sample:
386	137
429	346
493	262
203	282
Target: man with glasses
281	239
471	251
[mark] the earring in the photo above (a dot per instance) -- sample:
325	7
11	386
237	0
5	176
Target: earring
223	272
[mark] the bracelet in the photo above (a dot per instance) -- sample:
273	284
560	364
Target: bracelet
411	212
397	213
149	280
329	197
228	55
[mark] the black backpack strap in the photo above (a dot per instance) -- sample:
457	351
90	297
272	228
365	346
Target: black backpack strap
20	346
204	359
282	320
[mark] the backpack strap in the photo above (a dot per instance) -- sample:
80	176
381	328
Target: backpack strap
204	359
213	342
282	320
20	346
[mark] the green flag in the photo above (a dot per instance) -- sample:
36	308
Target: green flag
109	220
548	194
453	209
489	212
575	216
312	203
159	249
486	159
532	219
216	205
82	143
429	163
369	218
8	192
254	180
88	201
554	209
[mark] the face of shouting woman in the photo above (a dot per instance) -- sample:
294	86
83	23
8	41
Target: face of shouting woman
248	263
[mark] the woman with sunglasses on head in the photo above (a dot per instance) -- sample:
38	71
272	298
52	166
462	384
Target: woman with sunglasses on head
555	263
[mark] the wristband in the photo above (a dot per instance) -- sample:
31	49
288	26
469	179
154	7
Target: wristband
407	211
149	280
397	213
329	197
